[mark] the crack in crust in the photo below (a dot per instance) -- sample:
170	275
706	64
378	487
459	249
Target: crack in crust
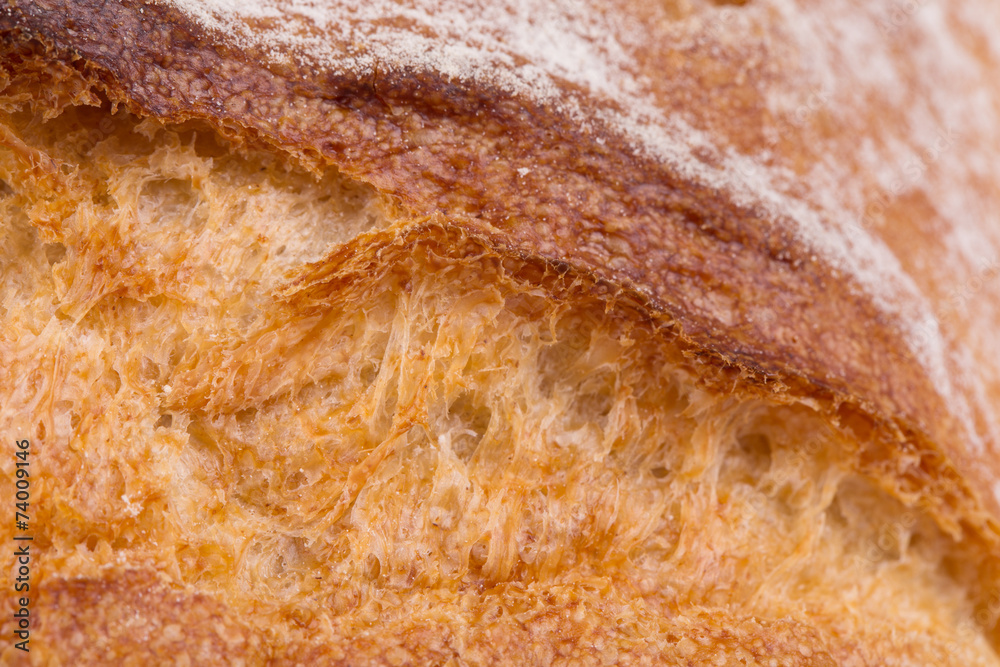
684	259
684	249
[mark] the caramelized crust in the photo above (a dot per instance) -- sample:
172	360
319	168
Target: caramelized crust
361	363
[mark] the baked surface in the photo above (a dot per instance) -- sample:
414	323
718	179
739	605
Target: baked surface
396	335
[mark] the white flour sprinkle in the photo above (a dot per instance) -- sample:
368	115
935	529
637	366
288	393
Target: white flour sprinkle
532	48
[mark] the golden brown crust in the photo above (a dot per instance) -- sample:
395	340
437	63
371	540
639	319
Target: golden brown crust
135	619
597	220
688	251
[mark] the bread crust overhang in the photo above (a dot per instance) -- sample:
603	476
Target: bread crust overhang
526	178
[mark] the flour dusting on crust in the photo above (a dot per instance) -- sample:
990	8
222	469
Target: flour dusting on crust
571	52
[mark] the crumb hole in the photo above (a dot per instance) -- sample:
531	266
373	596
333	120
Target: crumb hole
474	421
373	568
54	252
295	480
245	417
749	461
479	553
113	379
368	374
148	369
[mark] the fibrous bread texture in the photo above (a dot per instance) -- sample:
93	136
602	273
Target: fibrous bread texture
276	420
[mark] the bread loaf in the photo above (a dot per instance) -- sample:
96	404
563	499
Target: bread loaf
569	332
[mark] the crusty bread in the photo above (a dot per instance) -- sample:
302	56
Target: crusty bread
610	332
